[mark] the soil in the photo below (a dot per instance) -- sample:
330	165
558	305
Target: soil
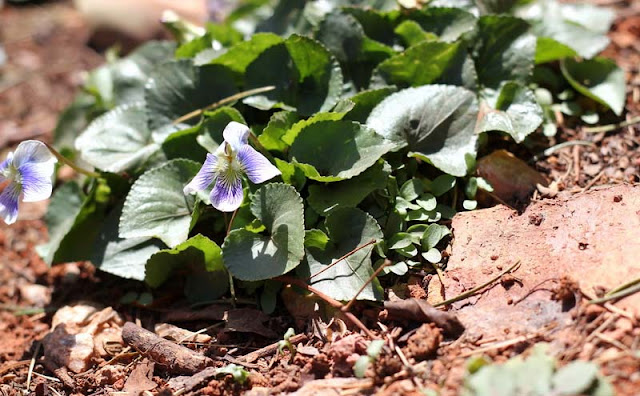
578	238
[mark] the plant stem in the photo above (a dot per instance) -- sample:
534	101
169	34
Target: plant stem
476	289
232	288
334	303
70	163
619	292
342	258
223	102
347	307
612	127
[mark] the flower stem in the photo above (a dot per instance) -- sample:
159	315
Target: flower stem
232	288
70	163
223	102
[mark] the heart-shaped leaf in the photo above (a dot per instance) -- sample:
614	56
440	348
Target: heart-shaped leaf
436	122
504	50
347	229
119	140
124	257
337	150
157	207
515	111
178	87
250	256
201	258
599	79
306	75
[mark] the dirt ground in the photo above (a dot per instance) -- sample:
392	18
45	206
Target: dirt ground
577	231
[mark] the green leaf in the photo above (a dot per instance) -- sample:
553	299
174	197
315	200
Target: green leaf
201	258
239	374
316	238
360	366
515	111
432	255
599	79
400	240
292	133
412	189
365	101
63	209
240	56
422	64
348	193
73	241
123	80
223	34
469	204
449	24
436	123
125	258
441	184
411	33
252	257
194	143
578	27
574	378
306	75
157	207
433	235
279	124
348	229
504	50
549	50
337	150
178	87
119	140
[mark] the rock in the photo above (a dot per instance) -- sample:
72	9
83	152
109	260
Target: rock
74	351
424	343
80	334
36	295
590	238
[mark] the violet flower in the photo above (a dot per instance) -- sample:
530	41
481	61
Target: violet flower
29	172
226	166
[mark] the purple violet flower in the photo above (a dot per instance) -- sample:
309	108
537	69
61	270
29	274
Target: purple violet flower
29	172
226	165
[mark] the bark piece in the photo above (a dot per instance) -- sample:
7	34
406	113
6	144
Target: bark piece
422	311
173	357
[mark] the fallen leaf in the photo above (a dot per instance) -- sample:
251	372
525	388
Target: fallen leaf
140	379
421	311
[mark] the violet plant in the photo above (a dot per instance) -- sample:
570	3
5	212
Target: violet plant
365	124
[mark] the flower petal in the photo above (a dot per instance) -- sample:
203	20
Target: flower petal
204	177
32	151
9	203
236	134
255	165
4	165
227	196
36	181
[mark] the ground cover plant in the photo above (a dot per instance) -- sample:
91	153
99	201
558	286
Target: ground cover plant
327	144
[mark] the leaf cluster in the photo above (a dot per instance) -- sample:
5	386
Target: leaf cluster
375	120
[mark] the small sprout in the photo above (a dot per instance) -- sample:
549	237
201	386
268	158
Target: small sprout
363	362
239	374
286	343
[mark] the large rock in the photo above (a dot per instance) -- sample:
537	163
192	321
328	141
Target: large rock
592	238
